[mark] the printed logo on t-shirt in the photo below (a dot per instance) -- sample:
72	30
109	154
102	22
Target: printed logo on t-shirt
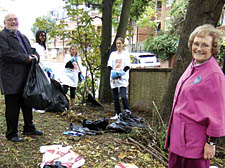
118	63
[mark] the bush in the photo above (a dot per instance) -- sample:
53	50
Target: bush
164	46
222	50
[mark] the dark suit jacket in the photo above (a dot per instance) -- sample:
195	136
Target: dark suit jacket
14	62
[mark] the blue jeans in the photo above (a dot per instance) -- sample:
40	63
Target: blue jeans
123	93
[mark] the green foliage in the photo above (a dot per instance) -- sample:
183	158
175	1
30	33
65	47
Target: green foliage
138	8
46	23
177	16
87	37
162	136
222	52
164	45
148	16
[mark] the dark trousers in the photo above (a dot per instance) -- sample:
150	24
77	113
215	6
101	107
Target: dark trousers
176	161
13	104
116	98
72	91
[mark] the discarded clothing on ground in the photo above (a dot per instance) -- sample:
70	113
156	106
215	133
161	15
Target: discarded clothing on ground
57	155
125	122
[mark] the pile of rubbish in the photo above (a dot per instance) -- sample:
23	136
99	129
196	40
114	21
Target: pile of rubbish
57	156
125	122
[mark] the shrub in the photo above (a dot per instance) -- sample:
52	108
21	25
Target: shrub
164	45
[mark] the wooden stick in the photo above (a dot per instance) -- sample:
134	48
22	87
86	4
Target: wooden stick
158	157
158	114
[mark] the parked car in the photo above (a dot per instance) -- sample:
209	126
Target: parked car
144	60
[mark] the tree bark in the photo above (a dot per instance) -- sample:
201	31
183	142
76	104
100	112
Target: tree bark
199	12
105	94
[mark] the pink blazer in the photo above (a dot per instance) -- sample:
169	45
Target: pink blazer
198	109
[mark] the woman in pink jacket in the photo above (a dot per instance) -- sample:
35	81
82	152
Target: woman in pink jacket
198	114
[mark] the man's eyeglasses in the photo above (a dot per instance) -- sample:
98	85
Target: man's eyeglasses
12	19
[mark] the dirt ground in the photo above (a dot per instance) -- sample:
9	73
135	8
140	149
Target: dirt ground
100	151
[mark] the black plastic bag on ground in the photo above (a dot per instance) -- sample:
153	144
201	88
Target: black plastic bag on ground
37	90
130	120
59	101
119	126
125	122
98	125
83	130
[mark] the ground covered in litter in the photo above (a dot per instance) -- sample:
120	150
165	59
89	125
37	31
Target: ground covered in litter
139	147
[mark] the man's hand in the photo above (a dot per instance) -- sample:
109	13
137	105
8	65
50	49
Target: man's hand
33	57
209	151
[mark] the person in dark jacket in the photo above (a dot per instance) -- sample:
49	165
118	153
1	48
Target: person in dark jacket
15	60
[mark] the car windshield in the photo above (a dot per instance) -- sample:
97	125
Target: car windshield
144	60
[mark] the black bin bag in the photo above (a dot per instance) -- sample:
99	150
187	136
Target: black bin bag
43	93
59	101
37	90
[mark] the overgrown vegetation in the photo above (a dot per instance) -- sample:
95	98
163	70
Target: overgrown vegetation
163	45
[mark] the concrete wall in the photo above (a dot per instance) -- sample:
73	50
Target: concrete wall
147	85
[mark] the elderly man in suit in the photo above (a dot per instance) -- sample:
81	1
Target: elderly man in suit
15	60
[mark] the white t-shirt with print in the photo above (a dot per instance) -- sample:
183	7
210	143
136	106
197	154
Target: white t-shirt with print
118	61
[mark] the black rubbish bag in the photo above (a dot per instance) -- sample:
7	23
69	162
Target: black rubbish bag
37	90
59	101
84	130
43	93
125	122
119	126
130	120
98	125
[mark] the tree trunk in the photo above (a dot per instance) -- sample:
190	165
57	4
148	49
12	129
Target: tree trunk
199	12
105	94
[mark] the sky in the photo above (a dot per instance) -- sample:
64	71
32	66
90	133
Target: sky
27	11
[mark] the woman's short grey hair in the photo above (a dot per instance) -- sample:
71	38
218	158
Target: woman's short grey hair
210	30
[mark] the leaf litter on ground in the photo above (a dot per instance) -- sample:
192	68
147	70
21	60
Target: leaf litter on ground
99	151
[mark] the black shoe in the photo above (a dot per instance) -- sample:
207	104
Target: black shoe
34	132
16	139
